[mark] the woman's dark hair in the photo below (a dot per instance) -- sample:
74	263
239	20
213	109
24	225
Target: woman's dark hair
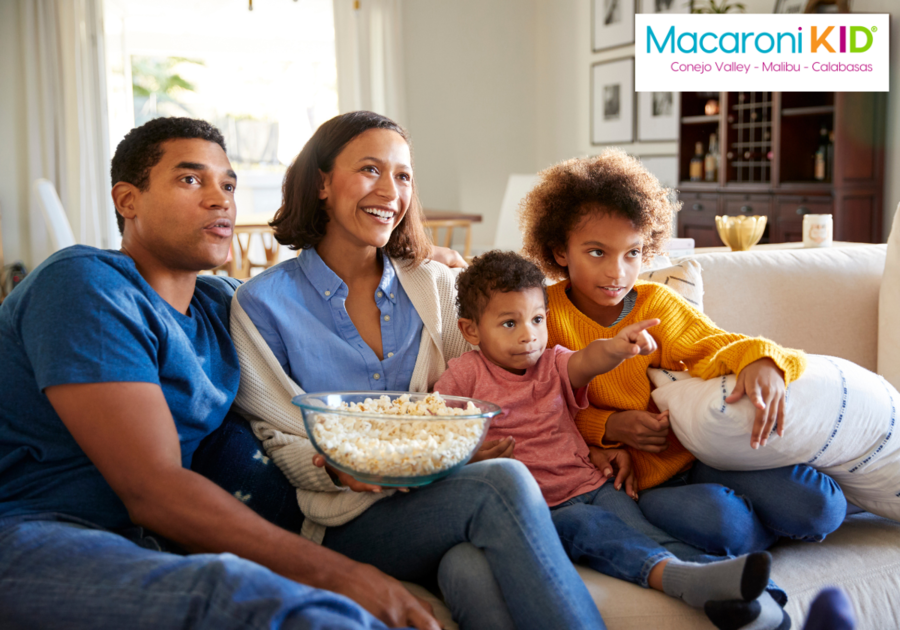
494	272
141	149
301	221
612	182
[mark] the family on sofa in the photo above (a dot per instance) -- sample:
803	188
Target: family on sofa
119	505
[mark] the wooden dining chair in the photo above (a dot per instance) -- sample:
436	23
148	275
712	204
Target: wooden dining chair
446	227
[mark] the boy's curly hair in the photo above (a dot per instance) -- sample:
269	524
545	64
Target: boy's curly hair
612	182
493	272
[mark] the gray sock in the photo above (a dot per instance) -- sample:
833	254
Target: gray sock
743	578
763	613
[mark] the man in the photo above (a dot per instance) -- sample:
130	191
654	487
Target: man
115	365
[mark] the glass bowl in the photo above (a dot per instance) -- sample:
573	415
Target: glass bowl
393	449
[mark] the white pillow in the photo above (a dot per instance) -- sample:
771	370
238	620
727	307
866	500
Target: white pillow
888	309
839	418
685	278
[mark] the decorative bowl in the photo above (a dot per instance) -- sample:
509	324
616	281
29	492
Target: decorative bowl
393	448
741	233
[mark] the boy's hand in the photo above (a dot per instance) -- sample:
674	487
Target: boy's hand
763	383
491	449
642	430
610	460
634	340
602	355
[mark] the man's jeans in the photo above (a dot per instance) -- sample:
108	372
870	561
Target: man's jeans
59	572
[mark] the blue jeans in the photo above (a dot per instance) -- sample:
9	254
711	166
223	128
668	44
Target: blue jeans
739	512
497	508
605	530
233	458
59	572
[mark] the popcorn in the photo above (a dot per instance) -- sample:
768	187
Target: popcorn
398	447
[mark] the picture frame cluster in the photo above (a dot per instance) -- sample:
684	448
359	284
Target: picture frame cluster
618	116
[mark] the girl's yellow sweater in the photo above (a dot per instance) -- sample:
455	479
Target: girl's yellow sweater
687	339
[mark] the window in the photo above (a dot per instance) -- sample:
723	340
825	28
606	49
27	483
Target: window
267	77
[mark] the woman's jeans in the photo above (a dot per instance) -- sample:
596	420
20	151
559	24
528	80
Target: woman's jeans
60	572
737	512
458	533
486	532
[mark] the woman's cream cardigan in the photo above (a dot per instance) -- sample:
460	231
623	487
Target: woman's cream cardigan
265	393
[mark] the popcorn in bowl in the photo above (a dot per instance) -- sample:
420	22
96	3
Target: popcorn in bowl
410	439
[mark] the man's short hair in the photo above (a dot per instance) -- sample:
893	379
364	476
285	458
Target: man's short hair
494	272
141	149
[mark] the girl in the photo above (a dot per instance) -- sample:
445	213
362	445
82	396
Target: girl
590	223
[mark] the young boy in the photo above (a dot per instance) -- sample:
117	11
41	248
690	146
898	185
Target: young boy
502	305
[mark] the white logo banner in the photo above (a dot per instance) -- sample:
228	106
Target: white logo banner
781	53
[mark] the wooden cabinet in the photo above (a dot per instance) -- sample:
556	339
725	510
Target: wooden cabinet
787	220
767	162
697	219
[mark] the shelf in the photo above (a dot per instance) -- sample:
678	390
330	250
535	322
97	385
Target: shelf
690	186
762	163
751	125
808	184
752	105
808	111
700	120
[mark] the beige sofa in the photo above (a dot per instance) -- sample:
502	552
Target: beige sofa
824	301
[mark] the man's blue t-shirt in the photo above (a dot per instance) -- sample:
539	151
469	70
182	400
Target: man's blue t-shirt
87	316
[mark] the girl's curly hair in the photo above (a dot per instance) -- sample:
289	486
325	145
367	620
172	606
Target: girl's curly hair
612	182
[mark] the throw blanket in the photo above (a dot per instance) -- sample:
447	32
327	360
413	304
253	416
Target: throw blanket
265	394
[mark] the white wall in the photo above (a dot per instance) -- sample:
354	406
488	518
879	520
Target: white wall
892	141
13	180
470	88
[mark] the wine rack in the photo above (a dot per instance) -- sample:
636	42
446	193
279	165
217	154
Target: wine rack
748	155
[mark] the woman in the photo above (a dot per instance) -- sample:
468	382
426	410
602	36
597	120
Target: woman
361	308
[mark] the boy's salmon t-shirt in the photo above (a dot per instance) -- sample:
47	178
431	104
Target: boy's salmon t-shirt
539	410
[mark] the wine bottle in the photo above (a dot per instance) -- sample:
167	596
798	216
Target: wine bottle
821	158
696	168
711	161
829	158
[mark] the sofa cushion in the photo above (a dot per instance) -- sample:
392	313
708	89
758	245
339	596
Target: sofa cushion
862	557
824	301
685	277
889	309
839	418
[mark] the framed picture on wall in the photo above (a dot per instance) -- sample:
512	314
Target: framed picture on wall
790	6
665	6
612	102
613	23
657	116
